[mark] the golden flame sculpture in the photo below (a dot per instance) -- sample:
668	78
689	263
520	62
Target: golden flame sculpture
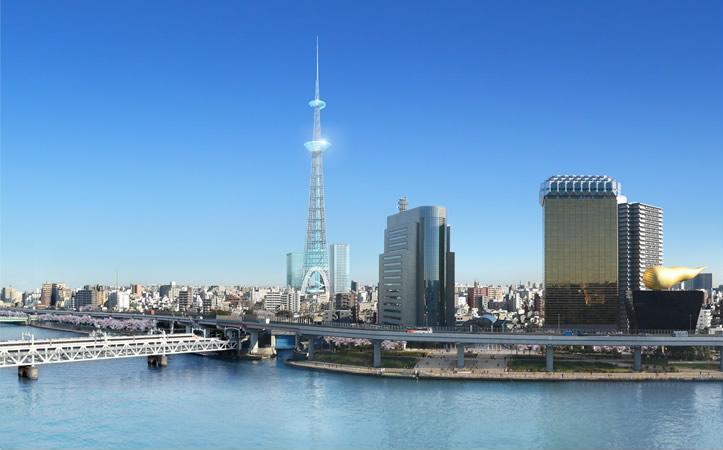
659	277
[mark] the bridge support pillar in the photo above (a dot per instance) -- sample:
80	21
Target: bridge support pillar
637	359
312	349
158	360
550	358
29	372
253	342
189	330
460	356
377	353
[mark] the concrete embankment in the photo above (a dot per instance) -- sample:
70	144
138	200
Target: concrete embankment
462	374
44	326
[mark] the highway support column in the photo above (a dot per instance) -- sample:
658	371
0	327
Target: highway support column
29	372
637	359
312	348
460	356
253	342
549	358
377	349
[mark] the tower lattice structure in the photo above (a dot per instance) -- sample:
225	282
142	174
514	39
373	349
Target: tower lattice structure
316	261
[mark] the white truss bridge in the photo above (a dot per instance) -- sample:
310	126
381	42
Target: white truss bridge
51	351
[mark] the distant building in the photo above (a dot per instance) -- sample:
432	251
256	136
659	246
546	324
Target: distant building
119	300
84	297
136	290
90	296
287	300
581	250
169	290
294	270
339	268
46	294
702	281
11	295
60	295
416	270
185	298
345	300
475	296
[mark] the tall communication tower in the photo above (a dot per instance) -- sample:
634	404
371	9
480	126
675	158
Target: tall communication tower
316	262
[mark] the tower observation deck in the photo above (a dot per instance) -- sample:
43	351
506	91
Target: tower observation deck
316	261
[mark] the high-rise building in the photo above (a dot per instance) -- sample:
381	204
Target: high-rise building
416	270
581	250
339	268
316	261
294	270
640	243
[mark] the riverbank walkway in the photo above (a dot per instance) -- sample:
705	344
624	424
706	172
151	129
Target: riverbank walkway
502	375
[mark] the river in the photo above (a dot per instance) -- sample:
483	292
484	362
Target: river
207	402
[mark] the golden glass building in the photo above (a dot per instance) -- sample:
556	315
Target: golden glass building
581	251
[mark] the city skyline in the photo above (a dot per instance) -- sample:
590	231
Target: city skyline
102	189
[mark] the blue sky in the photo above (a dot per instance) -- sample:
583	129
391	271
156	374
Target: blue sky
164	140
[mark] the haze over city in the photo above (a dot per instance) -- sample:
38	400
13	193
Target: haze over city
170	146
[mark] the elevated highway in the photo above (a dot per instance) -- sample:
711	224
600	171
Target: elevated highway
377	333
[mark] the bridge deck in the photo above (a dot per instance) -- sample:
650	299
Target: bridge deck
51	351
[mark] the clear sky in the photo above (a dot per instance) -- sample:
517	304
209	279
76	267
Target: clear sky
164	139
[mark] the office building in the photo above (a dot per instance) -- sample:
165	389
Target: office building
416	270
581	250
294	269
339	268
640	244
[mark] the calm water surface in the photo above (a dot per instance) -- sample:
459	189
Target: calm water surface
207	402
